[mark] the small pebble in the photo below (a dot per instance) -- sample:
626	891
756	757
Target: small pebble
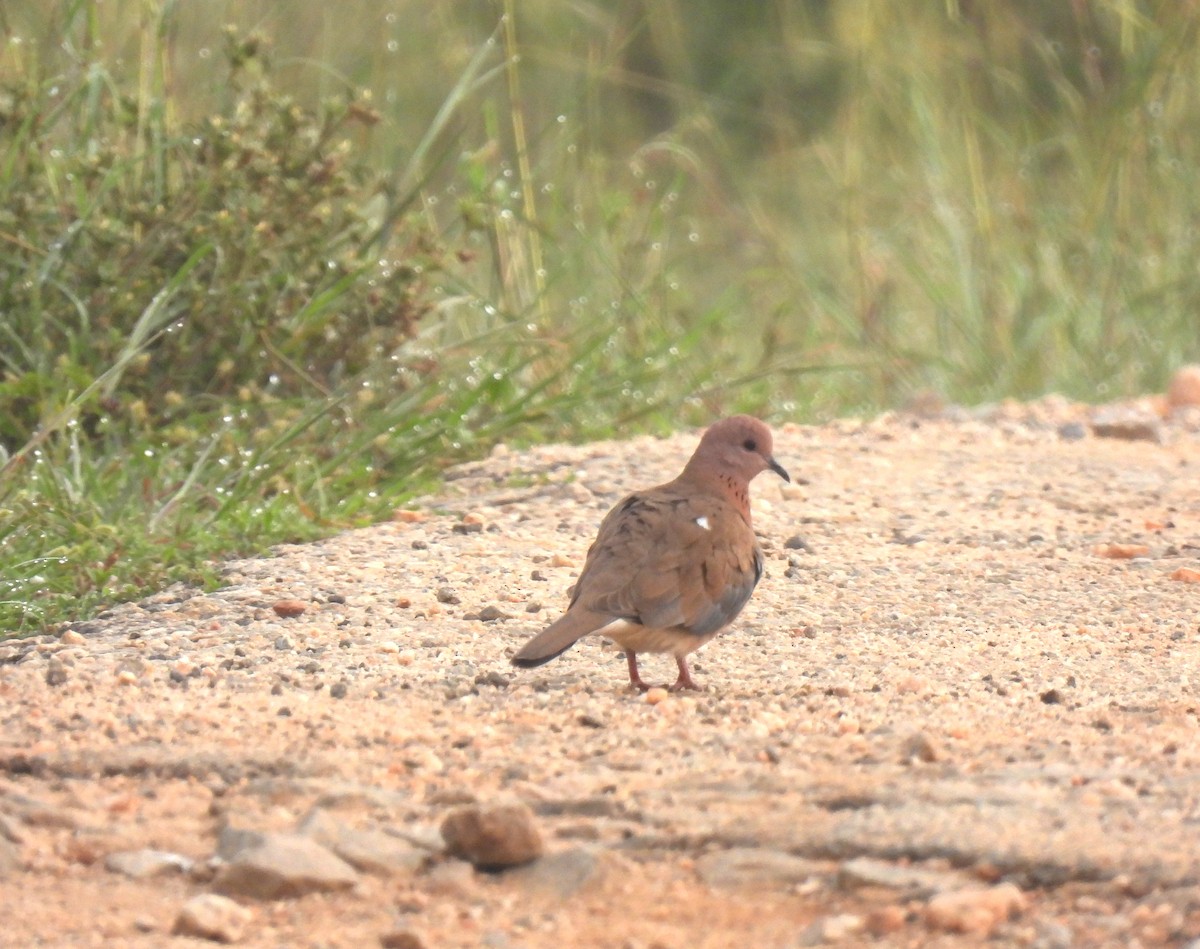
797	542
1121	551
56	672
656	694
920	747
402	937
447	595
289	608
72	638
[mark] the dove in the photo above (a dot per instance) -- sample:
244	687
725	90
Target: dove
671	566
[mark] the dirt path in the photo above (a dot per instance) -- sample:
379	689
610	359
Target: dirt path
947	717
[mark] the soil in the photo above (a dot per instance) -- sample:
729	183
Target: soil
960	709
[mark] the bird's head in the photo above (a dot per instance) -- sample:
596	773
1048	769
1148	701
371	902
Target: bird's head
738	447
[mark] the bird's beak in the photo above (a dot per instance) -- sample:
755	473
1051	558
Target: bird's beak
779	469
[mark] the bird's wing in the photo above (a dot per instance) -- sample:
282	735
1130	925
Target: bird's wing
669	560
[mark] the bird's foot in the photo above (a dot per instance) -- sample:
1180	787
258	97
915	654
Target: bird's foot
685	680
635	680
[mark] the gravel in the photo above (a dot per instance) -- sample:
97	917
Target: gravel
968	676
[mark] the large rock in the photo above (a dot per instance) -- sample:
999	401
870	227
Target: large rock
284	865
370	850
559	875
492	838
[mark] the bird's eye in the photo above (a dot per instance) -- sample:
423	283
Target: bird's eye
749	445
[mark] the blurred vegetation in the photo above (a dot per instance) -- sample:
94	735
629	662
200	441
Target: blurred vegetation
265	269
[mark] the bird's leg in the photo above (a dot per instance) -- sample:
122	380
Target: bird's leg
635	680
685	680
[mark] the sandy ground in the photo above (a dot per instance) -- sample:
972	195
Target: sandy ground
960	709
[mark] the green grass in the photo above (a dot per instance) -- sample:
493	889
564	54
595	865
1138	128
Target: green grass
265	282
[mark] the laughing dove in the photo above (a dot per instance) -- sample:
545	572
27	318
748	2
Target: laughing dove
672	566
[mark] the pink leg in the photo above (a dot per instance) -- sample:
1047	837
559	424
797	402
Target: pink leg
685	680
634	679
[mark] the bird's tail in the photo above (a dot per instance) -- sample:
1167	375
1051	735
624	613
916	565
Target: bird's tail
558	637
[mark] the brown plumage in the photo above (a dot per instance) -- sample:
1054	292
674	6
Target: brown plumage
672	566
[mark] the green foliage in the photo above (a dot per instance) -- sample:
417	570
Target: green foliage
229	255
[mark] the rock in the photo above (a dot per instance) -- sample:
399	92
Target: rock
1072	431
56	672
369	850
886	919
492	837
402	937
489	614
233	840
1184	388
452	878
558	875
374	851
210	916
289	608
797	542
284	865
72	637
1126	424
751	866
975	910
1186	575
143	864
448	596
911	881
1121	551
831	929
919	747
